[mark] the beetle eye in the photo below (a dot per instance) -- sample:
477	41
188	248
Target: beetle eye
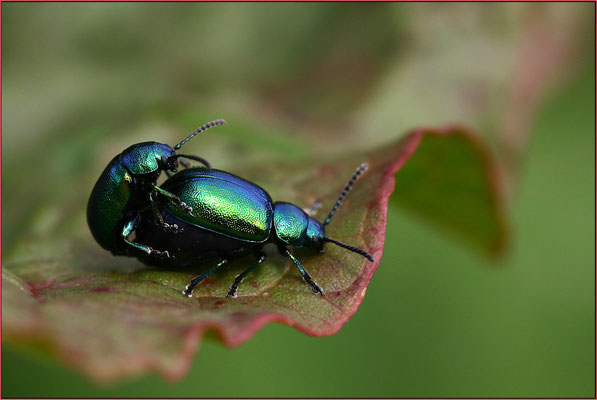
163	163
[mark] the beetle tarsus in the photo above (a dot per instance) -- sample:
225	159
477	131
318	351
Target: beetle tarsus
161	254
185	208
172	228
188	290
316	288
239	278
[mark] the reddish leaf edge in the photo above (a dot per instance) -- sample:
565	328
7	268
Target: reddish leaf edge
232	338
410	143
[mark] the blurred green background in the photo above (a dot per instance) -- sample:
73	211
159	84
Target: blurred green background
80	82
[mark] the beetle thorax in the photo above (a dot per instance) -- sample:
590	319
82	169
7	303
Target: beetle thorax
294	227
146	157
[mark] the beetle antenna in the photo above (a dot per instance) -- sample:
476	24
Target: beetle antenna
351	248
199	130
351	182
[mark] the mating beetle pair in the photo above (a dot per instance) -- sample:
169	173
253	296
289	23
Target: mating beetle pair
197	213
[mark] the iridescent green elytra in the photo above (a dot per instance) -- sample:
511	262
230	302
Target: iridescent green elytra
232	217
222	203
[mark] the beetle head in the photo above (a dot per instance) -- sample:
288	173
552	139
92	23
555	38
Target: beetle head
315	234
169	163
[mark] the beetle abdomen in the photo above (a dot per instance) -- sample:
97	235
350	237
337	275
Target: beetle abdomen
107	204
188	247
222	203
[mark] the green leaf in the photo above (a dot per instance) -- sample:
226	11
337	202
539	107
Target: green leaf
113	316
453	182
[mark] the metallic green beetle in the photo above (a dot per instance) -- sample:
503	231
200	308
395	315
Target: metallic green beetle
128	185
231	217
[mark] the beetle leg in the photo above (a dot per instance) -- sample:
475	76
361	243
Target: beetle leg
169	173
187	164
239	278
129	227
175	199
314	286
188	291
158	217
